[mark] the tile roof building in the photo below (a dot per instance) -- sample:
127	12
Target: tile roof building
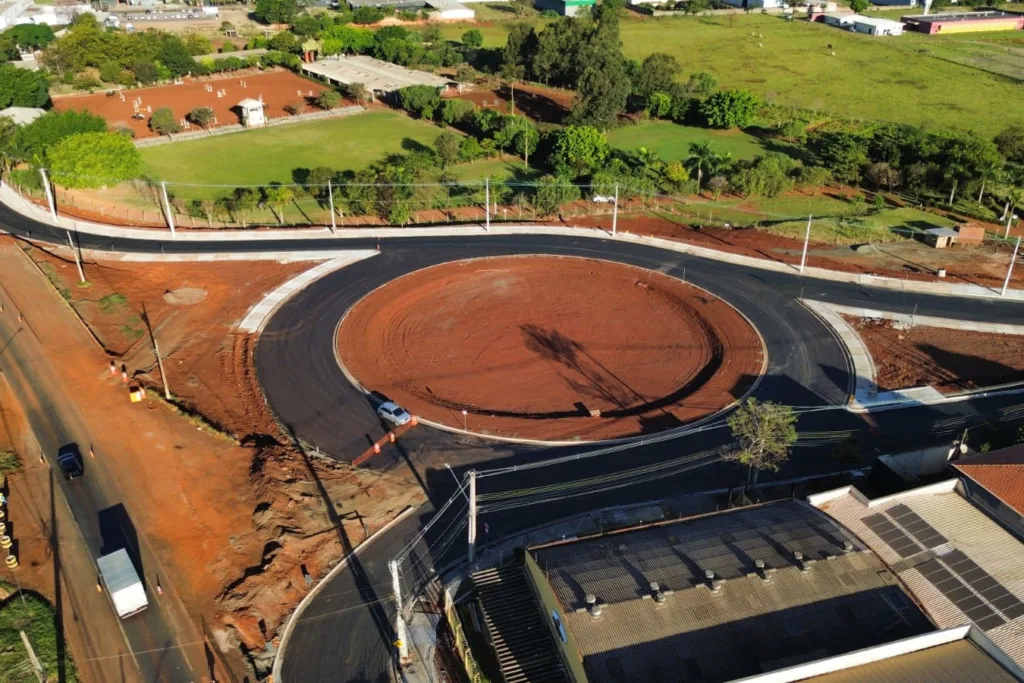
995	482
959	564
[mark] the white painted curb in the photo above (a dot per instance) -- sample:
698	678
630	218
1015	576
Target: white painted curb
289	627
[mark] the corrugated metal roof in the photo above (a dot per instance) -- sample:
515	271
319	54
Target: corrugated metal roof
1000	472
844	602
968	530
954	662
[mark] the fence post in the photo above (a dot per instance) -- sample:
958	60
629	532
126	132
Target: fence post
487	203
49	194
615	211
167	207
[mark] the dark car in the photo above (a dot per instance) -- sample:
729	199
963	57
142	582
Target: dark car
69	458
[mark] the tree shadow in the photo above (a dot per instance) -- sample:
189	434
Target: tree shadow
410	145
540	108
964	371
58	589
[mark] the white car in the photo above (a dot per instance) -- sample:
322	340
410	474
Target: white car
390	411
602	199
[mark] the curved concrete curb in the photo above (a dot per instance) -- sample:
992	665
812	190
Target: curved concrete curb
289	627
262	311
19	204
638	439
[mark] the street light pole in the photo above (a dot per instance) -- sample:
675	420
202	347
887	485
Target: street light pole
330	199
465	420
472	515
49	194
401	641
807	239
615	211
167	207
1009	270
78	261
487	201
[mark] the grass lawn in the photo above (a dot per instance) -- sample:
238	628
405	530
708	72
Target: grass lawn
509	167
264	156
671	141
923	80
35	617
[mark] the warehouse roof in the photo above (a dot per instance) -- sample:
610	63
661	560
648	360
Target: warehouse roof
954	662
960	564
960	16
374	74
22	115
835	599
1000	472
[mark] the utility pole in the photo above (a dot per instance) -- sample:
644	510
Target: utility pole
487	201
330	199
49	194
37	666
156	352
1009	270
401	641
1009	222
615	211
167	207
807	239
472	516
78	261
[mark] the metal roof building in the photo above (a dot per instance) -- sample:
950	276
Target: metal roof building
723	596
961	566
376	75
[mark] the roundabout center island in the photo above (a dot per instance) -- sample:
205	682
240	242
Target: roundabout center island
550	348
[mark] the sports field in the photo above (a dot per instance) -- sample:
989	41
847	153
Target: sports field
264	156
906	79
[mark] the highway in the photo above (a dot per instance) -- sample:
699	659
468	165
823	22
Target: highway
345	634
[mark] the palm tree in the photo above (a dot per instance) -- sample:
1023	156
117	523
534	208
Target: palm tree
700	160
1012	177
989	170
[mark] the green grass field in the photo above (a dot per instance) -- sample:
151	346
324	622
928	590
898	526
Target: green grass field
34	616
264	156
915	79
671	141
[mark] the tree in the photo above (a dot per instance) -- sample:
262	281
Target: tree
243	202
859	5
328	99
1010	143
201	116
278	196
175	56
658	104
512	74
880	174
358	92
23	88
766	176
717	184
454	110
518	44
991	168
162	122
32	142
676	175
447	147
422	100
965	157
730	109
701	84
284	41
525	142
764	433
602	91
702	159
94	160
552	192
275	11
473	38
580	149
845	154
296	108
30	36
521	7
197	44
657	73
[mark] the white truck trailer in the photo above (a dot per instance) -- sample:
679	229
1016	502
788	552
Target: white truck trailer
123	583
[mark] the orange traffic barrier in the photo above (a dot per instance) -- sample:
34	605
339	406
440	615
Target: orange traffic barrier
113	368
376	448
391	437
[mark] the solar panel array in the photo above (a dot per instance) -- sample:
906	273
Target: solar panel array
957	592
922	531
892	535
904	531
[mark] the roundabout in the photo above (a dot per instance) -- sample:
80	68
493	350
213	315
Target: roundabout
550	348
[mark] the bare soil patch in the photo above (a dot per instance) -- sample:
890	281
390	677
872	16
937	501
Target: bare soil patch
949	360
278	88
238	514
529	347
548	105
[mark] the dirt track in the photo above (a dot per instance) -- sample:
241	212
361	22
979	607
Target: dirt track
278	89
530	346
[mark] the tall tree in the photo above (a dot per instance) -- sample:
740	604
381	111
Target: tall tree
162	122
764	432
275	11
94	160
657	74
579	149
702	160
1010	143
201	116
730	109
447	147
23	88
277	196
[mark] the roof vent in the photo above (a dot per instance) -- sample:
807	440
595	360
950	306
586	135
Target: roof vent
659	597
847	547
798	557
592	606
714	584
763	570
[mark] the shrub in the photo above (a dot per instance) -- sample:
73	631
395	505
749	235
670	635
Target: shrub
329	99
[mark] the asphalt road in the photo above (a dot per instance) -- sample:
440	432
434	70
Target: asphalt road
96	506
345	634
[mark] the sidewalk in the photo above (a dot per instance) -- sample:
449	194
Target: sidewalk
30	210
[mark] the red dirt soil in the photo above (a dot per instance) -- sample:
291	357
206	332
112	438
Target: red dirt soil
949	360
529	345
540	104
279	88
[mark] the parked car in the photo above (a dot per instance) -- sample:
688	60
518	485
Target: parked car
393	413
69	459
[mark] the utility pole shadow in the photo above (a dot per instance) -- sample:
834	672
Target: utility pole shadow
58	596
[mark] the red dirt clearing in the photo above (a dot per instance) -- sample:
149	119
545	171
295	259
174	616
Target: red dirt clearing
949	360
529	346
538	103
278	88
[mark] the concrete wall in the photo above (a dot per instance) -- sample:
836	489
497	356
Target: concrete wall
567	650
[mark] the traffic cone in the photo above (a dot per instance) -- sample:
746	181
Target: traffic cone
391	437
376	448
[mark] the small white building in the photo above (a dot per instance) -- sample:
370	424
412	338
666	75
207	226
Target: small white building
450	10
875	26
253	115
